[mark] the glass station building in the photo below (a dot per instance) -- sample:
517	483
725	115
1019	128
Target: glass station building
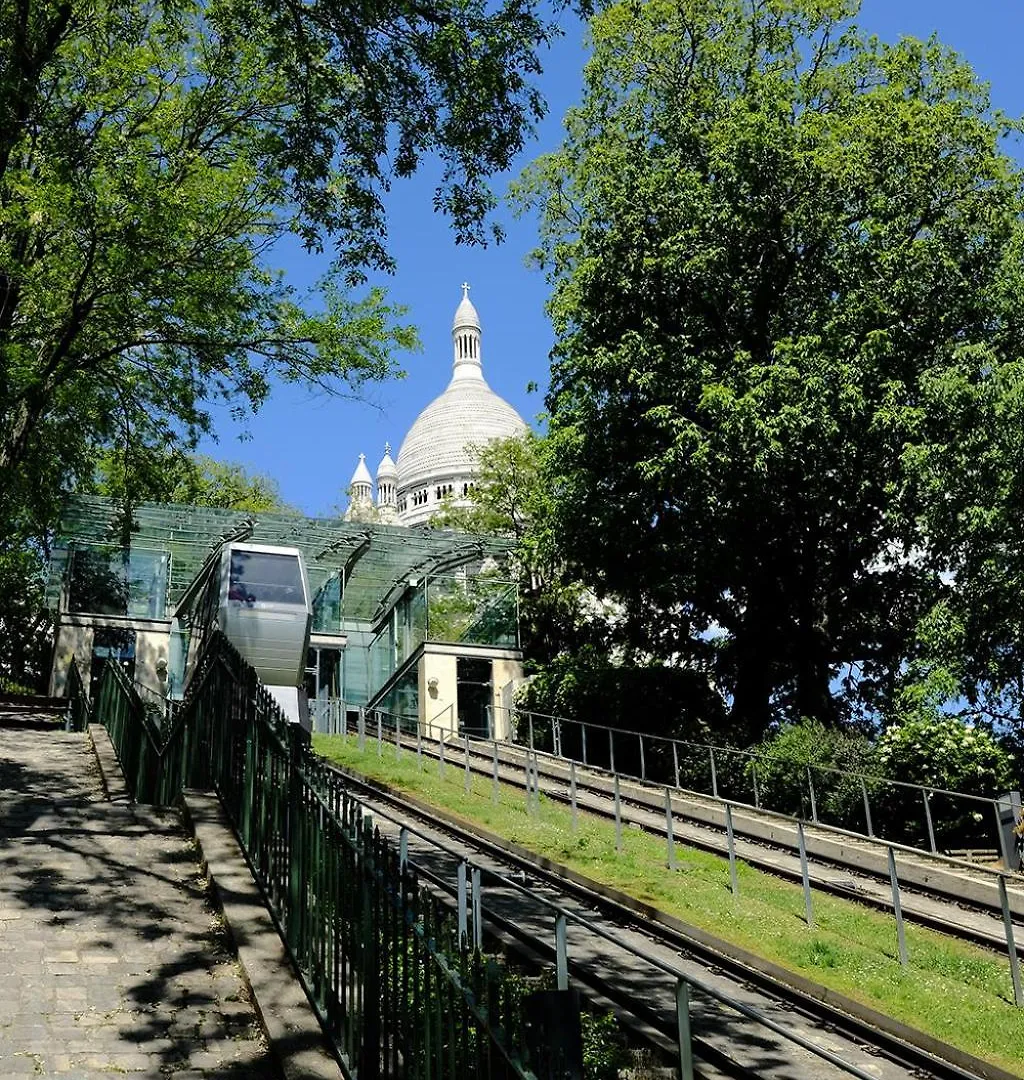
419	622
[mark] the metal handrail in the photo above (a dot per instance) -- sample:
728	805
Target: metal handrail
659	964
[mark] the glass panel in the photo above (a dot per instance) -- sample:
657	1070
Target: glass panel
259	577
327	607
103	582
478	610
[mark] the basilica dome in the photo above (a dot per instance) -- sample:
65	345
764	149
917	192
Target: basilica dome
439	456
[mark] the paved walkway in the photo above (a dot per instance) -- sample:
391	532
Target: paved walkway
111	959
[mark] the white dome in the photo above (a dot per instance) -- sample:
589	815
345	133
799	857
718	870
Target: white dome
444	442
445	439
386	469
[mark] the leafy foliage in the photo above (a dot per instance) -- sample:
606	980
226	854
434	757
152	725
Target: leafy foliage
782	762
785	414
152	157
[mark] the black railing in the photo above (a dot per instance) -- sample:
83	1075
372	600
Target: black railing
397	988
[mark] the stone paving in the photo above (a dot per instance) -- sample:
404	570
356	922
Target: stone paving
111	959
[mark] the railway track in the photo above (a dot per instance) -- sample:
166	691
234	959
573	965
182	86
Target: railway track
937	892
745	1022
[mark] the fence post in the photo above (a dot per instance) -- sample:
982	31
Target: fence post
867	808
1011	946
714	772
463	928
529	720
478	925
556	736
753	775
611	750
361	728
583	732
805	874
403	847
419	747
1002	836
495	787
675	761
468	782
730	837
561	953
528	770
380	735
901	938
398	738
440	755
928	820
814	801
643	761
618	815
668	830
572	792
683	1027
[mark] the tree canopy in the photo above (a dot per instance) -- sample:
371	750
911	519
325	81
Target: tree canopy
786	402
153	154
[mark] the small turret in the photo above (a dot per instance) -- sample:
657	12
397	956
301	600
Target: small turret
387	486
360	491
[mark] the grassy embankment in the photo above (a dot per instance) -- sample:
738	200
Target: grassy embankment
957	992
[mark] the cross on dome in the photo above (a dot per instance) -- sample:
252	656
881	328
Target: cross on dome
465	290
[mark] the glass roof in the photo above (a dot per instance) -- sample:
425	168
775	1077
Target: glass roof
375	562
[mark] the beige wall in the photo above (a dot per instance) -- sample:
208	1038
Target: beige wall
503	672
150	649
72	641
438	706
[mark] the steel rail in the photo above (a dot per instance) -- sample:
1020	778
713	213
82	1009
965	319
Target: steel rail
902	1053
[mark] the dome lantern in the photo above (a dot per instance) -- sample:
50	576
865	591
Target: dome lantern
466	335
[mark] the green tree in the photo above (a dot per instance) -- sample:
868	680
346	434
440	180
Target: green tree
140	474
153	155
785	257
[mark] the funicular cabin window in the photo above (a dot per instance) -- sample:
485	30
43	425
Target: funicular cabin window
258	577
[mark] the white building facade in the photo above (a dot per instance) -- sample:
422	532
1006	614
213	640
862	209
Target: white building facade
439	457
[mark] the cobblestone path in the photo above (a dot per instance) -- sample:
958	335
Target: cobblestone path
111	959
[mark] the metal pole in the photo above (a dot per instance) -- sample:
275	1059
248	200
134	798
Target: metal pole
618	816
556	732
928	820
463	928
867	808
675	760
440	755
468	782
901	937
478	925
611	750
1011	946
668	831
403	847
583	730
643	762
572	793
814	801
529	718
714	772
1002	838
361	728
380	736
805	874
757	793
529	784
398	738
683	1026
732	849
536	783
419	747
495	787
561	953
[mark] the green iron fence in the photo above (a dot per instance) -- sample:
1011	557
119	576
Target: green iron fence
78	700
398	989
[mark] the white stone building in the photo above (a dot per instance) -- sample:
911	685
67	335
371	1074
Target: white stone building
439	457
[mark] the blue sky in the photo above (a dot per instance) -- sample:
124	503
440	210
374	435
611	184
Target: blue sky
310	444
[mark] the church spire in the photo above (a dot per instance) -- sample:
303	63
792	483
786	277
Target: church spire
466	336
